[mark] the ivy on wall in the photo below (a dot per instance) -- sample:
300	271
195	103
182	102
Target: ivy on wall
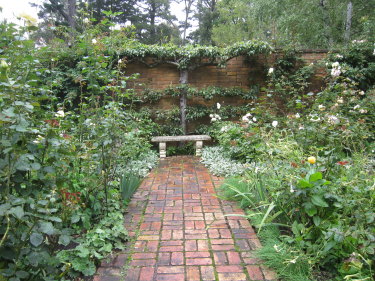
208	93
169	118
191	56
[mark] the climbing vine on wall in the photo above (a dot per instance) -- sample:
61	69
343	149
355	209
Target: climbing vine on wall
191	56
208	93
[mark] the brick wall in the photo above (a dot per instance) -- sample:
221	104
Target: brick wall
239	72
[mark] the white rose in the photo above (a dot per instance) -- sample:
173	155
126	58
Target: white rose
274	124
245	119
60	113
270	71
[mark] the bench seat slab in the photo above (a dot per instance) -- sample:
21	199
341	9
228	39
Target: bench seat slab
162	140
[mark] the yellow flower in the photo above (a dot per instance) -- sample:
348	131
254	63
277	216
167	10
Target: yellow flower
311	160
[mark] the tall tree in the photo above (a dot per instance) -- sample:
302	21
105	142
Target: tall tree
129	10
155	22
185	24
303	24
206	16
63	11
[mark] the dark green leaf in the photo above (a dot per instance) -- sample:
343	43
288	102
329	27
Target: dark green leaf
17	212
318	200
47	227
36	239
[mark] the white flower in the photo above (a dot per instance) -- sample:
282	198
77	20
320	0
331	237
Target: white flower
254	119
340	100
315	118
270	71
274	124
362	111
362	93
86	20
293	260
276	248
321	107
38	139
218	105
297	116
116	27
334	120
335	72
336	69
356	107
245	119
291	188
94	41
120	61
215	117
224	129
60	113
301	127
339	56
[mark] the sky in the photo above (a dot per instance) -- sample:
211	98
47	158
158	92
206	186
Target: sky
13	8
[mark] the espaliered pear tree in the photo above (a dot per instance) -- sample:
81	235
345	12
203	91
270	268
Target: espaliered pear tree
188	58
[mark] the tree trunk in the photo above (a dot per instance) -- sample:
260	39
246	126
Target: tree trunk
326	22
184	77
152	22
72	11
348	23
188	4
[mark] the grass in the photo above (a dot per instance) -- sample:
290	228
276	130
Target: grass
128	185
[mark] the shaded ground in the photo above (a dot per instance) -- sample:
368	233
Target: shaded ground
180	231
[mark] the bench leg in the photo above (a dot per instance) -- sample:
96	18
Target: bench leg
198	148
163	149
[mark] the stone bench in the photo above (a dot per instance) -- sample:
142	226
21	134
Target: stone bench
162	140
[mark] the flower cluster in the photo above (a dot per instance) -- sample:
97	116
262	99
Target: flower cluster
249	118
215	117
336	69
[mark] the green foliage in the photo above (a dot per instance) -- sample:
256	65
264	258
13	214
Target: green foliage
207	93
107	235
65	135
289	262
323	210
128	185
190	56
287	24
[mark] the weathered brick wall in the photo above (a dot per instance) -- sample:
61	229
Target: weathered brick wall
239	72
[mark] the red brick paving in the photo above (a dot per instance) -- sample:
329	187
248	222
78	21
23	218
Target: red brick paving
180	231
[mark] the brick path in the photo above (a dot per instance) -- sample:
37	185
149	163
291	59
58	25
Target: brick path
180	231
